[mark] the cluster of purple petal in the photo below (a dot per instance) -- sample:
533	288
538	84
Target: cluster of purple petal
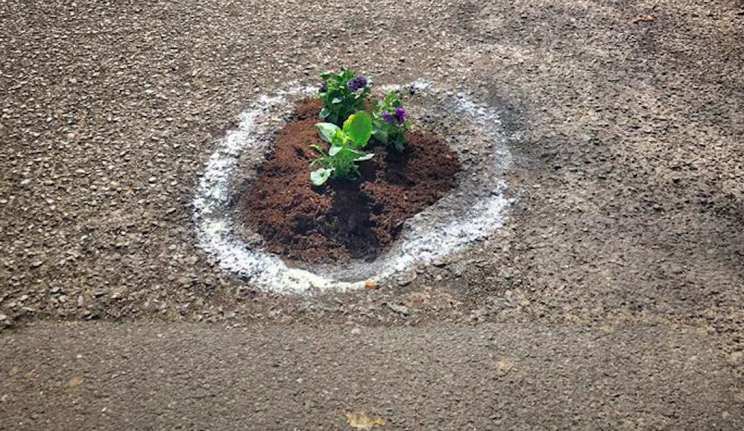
388	117
357	83
397	117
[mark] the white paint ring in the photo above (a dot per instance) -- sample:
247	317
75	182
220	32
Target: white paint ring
473	211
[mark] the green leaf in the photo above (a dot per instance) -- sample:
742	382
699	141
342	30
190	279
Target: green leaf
327	131
324	113
400	142
336	100
334	150
392	99
381	135
339	139
320	176
364	156
359	128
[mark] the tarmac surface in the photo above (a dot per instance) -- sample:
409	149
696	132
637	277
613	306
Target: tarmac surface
105	376
626	122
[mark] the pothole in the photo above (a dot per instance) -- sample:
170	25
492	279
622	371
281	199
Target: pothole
342	220
471	211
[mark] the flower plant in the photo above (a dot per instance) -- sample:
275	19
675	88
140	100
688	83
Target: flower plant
390	121
342	94
345	99
346	148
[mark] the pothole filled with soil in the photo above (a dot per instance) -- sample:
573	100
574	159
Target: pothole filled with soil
449	206
344	219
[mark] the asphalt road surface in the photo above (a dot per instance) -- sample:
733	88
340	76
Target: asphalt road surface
611	298
105	376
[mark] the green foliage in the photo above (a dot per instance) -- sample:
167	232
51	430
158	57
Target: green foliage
348	128
390	121
346	148
358	127
342	94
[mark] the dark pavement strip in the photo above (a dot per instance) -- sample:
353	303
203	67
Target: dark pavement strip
144	376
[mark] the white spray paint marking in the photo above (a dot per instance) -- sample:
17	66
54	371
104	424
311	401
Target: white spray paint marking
470	213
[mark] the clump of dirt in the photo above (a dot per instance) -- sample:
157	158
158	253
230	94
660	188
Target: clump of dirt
343	220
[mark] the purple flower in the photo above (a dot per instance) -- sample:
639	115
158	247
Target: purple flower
357	83
400	115
388	117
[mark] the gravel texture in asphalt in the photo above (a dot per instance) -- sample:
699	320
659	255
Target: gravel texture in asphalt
627	121
105	376
630	141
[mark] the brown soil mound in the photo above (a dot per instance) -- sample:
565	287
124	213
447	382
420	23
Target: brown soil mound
343	219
